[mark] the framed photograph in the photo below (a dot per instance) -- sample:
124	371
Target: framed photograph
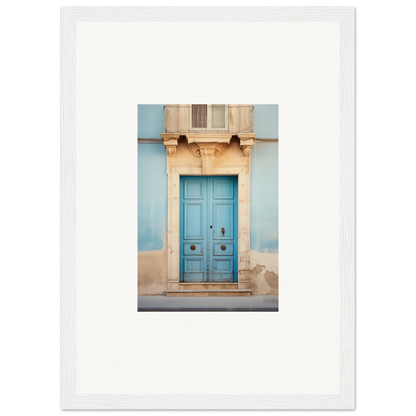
208	211
208	161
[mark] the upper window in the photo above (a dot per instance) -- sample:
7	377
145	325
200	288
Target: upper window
209	116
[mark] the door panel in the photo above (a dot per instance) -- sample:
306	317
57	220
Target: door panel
222	266
193	224
208	229
194	249
193	189
223	221
223	189
193	269
223	243
221	249
194	216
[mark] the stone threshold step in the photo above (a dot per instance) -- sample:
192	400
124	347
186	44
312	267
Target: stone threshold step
207	286
209	292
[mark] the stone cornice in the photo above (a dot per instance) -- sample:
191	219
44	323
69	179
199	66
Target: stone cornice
246	136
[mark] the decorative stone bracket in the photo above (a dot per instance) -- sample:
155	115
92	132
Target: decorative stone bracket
210	146
171	143
246	142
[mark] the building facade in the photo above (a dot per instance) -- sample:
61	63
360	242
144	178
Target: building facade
207	200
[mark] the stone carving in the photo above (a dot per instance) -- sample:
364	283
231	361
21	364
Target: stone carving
220	149
246	150
194	149
207	146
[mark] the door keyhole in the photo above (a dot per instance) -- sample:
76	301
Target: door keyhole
223	231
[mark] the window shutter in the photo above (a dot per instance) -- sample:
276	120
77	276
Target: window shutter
199	116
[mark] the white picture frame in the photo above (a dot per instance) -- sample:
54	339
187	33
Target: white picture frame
306	358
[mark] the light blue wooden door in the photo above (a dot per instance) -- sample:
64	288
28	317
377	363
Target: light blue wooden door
193	229
223	237
208	229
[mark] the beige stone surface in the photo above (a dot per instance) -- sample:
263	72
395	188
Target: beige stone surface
239	119
152	272
264	273
207	286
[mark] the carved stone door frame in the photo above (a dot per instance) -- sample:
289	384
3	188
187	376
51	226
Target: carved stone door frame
175	169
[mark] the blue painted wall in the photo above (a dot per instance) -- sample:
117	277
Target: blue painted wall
266	121
152	181
152	196
264	198
150	121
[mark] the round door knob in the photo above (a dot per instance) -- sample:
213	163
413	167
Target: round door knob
193	247
223	247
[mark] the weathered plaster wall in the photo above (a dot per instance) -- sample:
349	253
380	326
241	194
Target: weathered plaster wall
152	203
264	217
152	272
151	219
264	273
152	200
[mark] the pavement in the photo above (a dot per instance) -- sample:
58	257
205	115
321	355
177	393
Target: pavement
255	303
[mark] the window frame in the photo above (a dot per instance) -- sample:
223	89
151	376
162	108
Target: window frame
209	119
